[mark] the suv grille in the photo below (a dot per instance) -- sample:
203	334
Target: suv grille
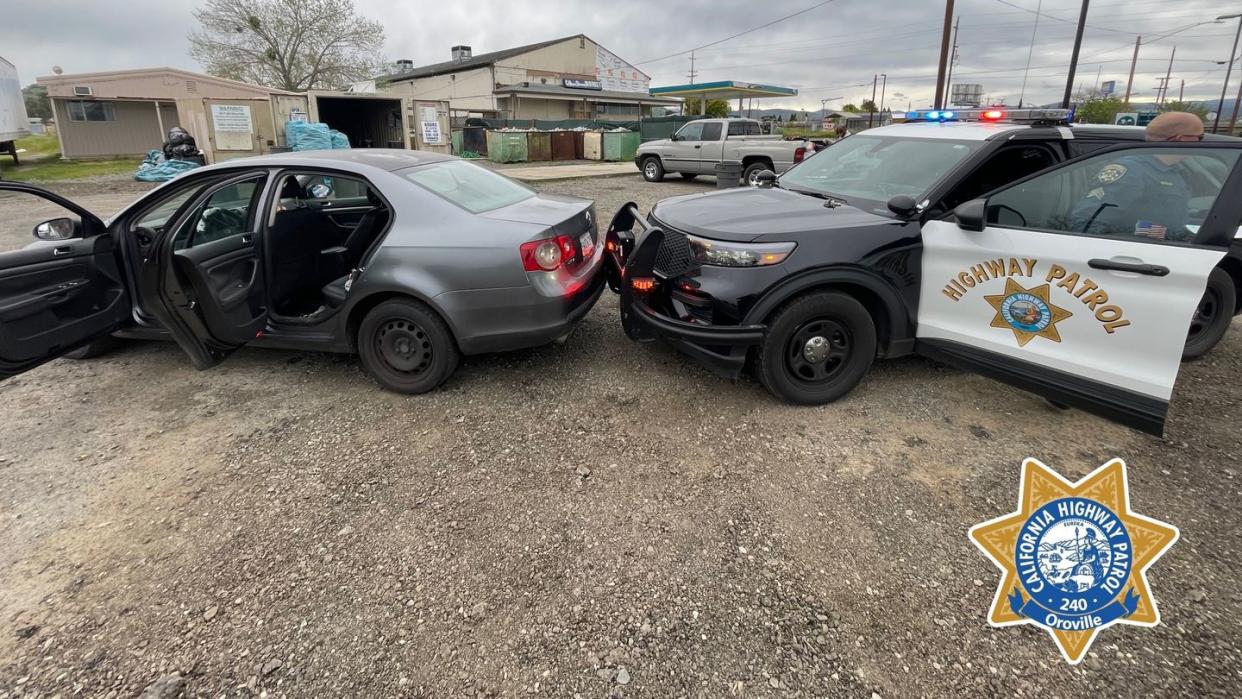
675	257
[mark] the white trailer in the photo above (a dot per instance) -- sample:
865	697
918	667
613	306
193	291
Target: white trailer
13	121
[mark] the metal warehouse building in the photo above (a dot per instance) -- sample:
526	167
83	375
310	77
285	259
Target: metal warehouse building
568	78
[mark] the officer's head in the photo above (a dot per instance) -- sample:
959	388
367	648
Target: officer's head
1175	127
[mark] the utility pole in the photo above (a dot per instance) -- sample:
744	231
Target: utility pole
1069	80
1026	72
948	75
1233	118
1134	61
692	73
875	79
1224	88
1164	92
1181	91
944	54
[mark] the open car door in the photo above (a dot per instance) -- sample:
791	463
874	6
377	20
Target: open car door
60	292
204	276
1079	282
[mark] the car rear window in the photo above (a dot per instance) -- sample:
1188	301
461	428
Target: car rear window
475	189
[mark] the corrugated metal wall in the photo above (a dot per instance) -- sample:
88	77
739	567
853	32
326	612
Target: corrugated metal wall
134	131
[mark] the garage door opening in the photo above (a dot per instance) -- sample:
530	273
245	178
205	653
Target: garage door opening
368	122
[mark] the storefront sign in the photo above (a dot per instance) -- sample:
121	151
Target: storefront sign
582	84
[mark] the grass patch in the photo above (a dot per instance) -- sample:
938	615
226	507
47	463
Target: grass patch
807	133
52	170
39	147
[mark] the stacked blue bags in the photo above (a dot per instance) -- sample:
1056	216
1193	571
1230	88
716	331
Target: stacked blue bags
303	135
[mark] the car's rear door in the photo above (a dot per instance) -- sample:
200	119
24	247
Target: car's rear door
55	295
204	278
712	148
1079	283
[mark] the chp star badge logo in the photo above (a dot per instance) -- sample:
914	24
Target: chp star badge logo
1073	557
1029	313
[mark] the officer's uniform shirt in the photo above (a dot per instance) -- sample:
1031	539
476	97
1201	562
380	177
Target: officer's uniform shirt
1135	193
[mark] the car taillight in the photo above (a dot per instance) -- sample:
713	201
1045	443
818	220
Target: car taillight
547	255
799	154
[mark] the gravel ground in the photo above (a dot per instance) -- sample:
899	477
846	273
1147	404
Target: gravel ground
597	518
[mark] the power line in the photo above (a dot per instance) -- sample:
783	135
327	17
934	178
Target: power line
734	36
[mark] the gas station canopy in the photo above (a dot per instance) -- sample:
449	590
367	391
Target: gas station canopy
724	90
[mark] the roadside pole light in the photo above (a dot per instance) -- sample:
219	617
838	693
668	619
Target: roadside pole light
1228	70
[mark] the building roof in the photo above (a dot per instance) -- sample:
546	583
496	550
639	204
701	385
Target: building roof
477	61
140	73
388	159
725	90
559	91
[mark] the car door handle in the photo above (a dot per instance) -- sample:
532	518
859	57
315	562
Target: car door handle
697	147
62	251
247	238
1136	267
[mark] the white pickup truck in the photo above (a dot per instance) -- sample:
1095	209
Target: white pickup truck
698	146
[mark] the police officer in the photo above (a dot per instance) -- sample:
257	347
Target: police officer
1141	193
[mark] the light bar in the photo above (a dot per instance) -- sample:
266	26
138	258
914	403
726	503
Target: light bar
992	114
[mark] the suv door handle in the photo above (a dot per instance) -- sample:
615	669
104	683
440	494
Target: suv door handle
1136	267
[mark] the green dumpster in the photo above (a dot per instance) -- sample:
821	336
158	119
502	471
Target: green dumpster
506	146
620	145
456	140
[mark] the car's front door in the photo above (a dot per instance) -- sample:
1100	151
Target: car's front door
683	153
204	276
1079	282
62	291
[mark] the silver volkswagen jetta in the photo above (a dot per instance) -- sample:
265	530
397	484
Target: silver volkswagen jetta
409	258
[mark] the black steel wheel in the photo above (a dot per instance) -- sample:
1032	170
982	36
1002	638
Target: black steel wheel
406	346
653	169
817	348
1212	316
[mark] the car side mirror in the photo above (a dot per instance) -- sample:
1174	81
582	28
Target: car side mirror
765	179
674	137
970	215
57	229
903	205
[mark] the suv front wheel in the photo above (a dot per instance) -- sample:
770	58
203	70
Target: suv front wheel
653	170
817	348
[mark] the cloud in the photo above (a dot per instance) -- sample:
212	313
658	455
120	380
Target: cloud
828	52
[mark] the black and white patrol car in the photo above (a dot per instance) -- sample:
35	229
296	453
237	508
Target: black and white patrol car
997	245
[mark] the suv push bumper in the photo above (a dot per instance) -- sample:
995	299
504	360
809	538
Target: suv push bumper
720	348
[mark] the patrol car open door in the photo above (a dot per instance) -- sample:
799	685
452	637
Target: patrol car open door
1079	282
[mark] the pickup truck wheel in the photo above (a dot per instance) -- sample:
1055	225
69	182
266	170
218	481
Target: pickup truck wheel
653	171
751	175
689	175
817	348
1212	316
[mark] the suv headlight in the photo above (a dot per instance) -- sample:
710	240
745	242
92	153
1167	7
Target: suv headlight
725	254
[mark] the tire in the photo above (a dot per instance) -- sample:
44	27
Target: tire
94	348
689	175
1212	316
788	367
406	347
748	175
653	169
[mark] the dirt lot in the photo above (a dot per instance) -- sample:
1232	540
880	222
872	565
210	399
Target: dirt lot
595	518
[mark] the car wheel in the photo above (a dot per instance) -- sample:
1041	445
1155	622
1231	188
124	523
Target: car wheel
1212	316
406	346
689	175
653	171
94	348
751	175
817	348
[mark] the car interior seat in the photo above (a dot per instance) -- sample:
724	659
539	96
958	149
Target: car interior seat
294	240
352	252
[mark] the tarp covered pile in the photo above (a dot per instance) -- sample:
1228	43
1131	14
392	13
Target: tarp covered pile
304	135
156	168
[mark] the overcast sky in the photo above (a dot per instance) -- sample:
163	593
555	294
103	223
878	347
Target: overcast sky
829	52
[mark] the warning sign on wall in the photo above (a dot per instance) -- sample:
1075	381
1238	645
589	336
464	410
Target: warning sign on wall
233	126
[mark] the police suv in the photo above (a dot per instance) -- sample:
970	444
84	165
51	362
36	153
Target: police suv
1078	262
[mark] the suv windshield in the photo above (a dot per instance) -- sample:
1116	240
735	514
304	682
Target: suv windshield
473	188
877	168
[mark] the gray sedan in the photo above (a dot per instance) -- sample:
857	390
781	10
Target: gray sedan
411	259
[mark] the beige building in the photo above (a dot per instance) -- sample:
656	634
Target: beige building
128	112
568	78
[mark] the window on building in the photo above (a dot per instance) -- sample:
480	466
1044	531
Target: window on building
83	110
617	109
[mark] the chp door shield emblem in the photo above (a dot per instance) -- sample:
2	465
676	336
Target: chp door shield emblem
1029	313
1073	556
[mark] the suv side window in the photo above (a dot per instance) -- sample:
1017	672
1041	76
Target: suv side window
737	128
1154	194
228	211
711	131
691	132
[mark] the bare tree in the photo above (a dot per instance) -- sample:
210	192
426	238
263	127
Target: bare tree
293	45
